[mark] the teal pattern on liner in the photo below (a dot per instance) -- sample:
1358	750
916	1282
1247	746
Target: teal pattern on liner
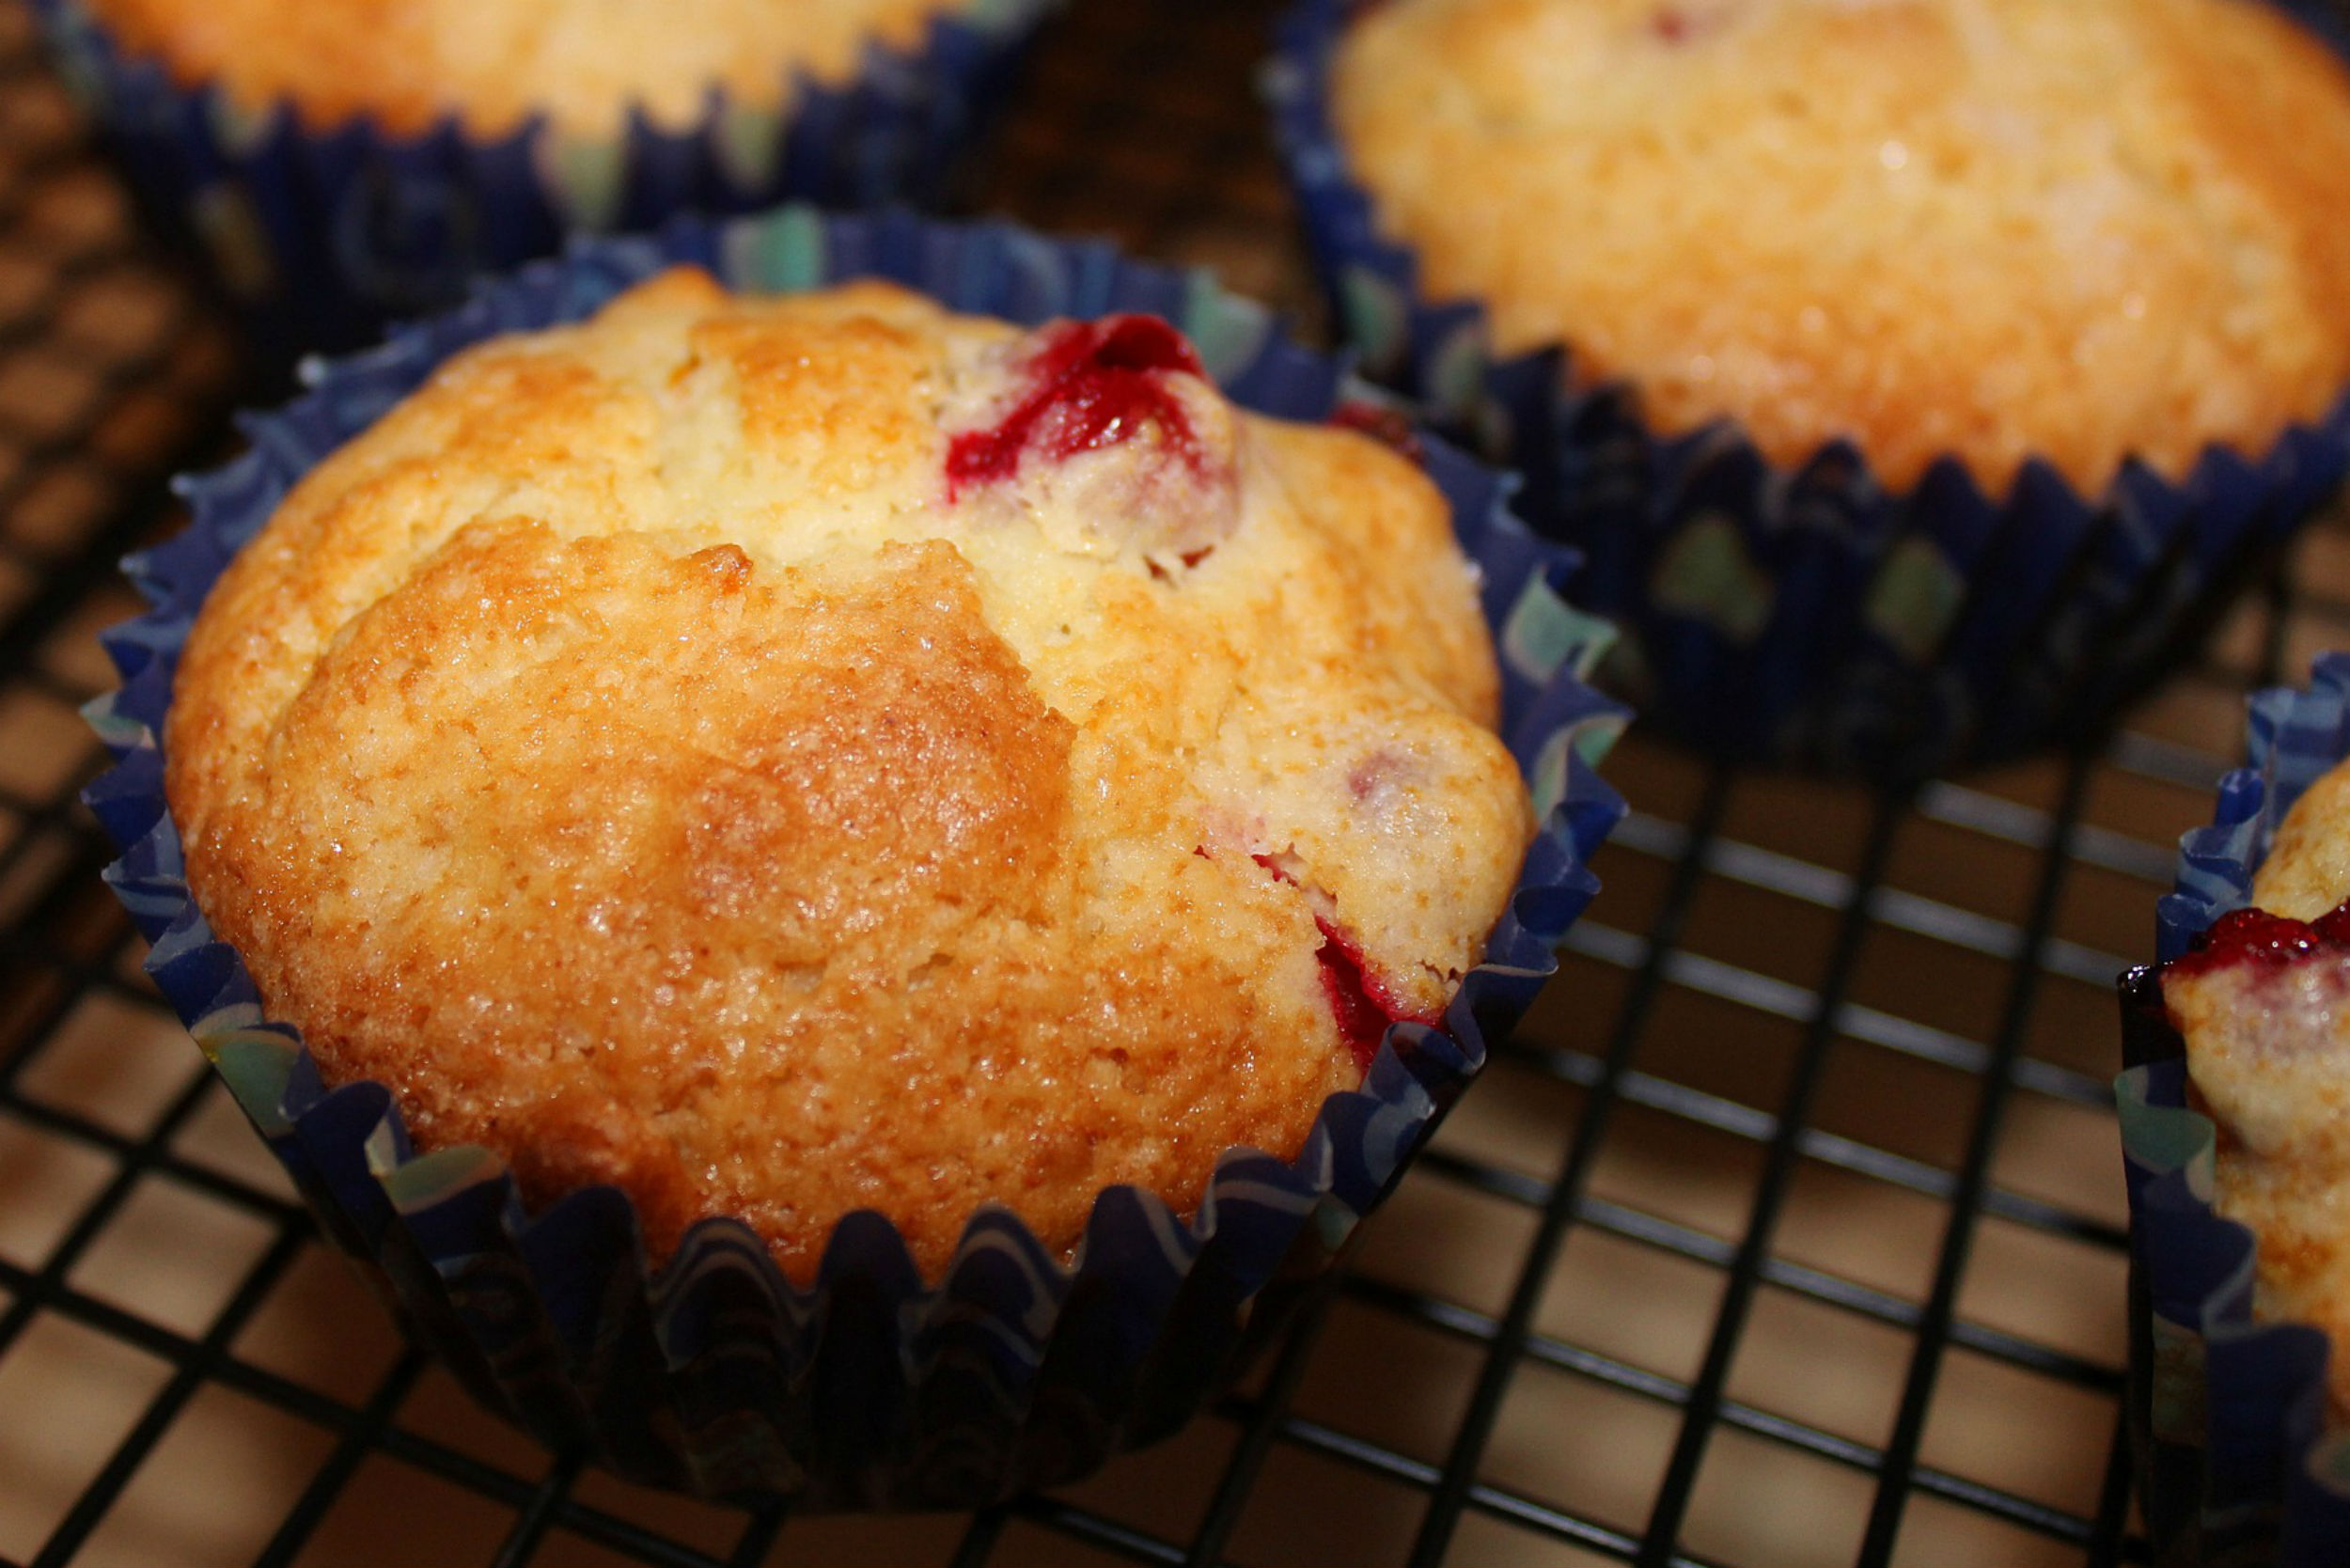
1542	636
1915	599
428	1179
1005	16
238	129
585	174
1545	635
1377	317
2165	1138
780	253
1584	744
256	1065
1226	330
749	144
1707	573
1454	387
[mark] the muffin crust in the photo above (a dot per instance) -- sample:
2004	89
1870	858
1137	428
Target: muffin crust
638	752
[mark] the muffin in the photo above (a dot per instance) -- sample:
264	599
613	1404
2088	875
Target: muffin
1100	769
1890	225
2237	1395
1899	363
341	165
583	66
2259	1002
793	756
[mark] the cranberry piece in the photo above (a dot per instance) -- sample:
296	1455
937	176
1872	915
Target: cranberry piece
1090	384
1383	424
1363	1007
2258	937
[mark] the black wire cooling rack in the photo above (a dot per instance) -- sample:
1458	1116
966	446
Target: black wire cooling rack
1790	1229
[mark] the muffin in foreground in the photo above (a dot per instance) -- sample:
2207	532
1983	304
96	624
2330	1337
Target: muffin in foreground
879	1380
341	165
2229	1120
793	756
1919	376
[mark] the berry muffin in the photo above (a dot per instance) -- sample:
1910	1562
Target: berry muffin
794	756
1921	377
2234	1162
787	757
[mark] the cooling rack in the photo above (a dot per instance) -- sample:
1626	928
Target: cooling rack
1790	1229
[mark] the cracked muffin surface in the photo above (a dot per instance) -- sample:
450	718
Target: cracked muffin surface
790	756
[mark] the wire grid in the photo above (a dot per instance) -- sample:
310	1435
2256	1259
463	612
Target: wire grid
1789	1229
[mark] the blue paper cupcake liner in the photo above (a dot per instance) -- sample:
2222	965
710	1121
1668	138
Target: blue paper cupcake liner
1804	616
321	238
2235	1464
873	1387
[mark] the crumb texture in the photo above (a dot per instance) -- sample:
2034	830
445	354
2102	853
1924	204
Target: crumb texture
642	753
1987	227
494	63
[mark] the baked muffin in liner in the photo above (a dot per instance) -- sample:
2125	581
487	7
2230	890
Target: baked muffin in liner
2229	1414
319	237
874	1388
1804	615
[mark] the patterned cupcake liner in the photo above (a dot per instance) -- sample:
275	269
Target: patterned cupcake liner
1804	616
321	238
873	1387
2229	1414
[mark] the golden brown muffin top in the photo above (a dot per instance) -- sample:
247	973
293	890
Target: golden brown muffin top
1993	227
494	63
789	756
2268	1060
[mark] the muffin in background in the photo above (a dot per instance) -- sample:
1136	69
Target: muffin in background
583	65
341	165
1892	225
879	1380
1919	376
